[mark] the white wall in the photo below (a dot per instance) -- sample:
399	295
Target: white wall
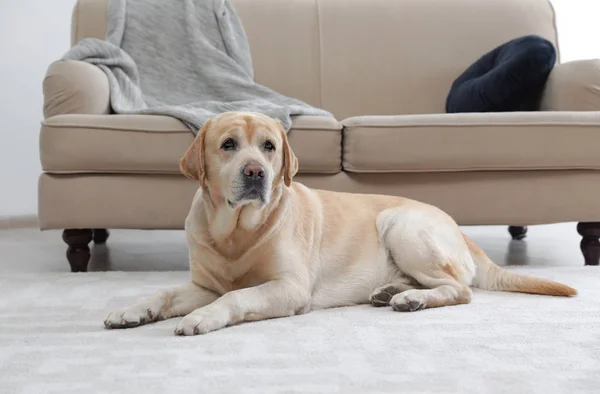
33	33
578	28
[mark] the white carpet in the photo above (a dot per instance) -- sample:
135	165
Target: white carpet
52	340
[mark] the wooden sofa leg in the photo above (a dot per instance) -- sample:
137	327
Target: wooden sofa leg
100	236
590	245
517	232
78	252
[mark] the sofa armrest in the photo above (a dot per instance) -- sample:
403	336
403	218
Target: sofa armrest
74	87
573	86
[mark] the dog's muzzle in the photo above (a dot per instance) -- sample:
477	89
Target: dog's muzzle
253	185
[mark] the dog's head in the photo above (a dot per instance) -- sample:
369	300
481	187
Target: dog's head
241	157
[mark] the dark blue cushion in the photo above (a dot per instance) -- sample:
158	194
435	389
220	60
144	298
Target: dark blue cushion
509	78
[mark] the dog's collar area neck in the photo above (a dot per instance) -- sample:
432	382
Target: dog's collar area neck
210	198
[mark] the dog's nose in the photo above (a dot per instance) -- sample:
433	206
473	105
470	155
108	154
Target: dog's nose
254	171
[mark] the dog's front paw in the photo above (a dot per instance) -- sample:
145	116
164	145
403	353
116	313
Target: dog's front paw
201	321
132	316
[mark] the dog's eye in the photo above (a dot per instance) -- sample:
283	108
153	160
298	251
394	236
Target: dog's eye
269	147
229	144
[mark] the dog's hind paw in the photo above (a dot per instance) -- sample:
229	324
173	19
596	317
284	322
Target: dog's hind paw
383	295
409	301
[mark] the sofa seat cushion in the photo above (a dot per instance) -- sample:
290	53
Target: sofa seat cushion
154	144
472	142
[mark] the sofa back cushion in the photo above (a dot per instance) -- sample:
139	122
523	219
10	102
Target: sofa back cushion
367	57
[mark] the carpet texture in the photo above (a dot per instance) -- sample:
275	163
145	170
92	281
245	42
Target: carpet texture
52	341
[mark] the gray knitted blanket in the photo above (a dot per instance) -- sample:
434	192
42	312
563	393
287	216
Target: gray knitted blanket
189	59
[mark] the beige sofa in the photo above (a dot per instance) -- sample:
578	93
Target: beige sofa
383	68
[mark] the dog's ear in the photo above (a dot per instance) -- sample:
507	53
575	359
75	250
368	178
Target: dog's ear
290	162
193	163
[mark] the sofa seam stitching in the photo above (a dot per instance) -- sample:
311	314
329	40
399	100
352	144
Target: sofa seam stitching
317	5
65	171
555	25
356	170
167	131
78	16
472	125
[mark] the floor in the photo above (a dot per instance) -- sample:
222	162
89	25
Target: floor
52	339
29	250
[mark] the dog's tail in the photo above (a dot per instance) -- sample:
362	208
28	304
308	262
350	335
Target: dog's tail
489	276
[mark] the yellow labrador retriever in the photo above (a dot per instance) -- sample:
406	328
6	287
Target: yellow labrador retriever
262	246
